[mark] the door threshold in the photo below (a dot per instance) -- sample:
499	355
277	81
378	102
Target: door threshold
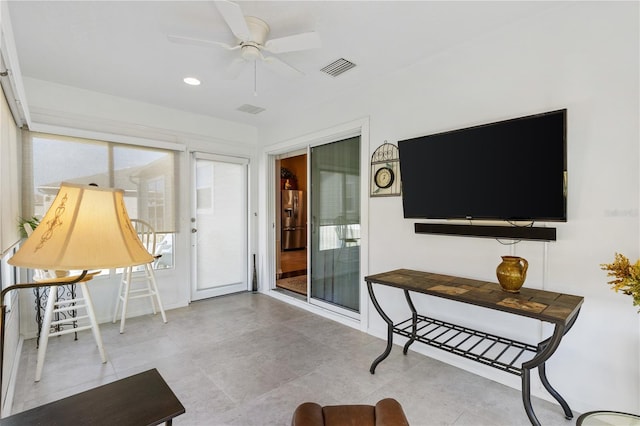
291	293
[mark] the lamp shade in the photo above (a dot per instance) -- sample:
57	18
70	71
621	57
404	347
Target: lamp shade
86	227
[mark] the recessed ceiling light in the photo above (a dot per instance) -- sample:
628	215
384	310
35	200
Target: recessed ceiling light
192	81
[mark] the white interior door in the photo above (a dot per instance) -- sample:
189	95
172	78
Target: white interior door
219	225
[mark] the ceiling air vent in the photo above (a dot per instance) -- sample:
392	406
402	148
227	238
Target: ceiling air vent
336	68
251	109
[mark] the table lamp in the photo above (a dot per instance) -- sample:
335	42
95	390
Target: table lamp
85	228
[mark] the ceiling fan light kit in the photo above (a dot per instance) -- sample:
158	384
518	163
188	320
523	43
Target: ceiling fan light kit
250	52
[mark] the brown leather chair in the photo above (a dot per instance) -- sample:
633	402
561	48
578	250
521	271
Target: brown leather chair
387	412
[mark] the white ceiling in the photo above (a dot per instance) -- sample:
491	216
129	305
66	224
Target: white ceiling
121	48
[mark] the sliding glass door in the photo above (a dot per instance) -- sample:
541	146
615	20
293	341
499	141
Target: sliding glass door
335	225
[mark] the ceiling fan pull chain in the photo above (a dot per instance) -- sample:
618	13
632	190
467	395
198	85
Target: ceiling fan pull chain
255	78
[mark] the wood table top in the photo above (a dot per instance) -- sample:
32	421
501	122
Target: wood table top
543	305
141	399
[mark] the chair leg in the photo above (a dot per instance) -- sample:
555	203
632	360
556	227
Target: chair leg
152	280
148	272
44	332
125	297
119	299
125	289
92	318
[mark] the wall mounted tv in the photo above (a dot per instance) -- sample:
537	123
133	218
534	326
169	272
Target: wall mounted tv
508	170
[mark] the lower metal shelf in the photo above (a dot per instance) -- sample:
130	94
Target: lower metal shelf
498	352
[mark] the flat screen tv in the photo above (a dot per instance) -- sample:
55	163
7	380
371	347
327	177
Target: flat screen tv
508	170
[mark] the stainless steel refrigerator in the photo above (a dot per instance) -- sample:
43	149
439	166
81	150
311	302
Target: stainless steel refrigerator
294	216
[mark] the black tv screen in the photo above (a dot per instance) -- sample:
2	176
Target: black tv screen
508	170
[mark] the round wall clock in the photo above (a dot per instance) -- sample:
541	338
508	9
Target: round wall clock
384	177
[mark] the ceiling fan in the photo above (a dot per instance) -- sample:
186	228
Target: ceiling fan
252	41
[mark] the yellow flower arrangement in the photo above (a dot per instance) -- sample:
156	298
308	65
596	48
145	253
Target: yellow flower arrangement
626	277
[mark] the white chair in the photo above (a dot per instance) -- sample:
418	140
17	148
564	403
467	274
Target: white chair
58	307
126	291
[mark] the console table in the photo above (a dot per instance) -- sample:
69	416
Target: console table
504	354
141	399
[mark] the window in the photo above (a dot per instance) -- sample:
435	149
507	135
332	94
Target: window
204	188
340	207
147	176
9	184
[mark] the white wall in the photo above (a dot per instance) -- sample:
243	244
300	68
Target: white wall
582	56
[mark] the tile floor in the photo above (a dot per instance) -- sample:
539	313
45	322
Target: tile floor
248	359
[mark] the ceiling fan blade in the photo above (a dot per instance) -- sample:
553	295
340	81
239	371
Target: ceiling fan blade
293	43
200	42
281	67
234	69
234	18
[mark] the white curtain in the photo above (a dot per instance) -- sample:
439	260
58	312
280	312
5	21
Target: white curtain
9	183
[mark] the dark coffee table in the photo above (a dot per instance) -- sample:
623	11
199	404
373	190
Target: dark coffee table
141	399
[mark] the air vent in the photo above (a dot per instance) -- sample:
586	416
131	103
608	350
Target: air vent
251	109
336	68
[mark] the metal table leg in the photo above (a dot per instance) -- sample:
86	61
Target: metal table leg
554	393
384	316
414	321
547	348
542	372
536	361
